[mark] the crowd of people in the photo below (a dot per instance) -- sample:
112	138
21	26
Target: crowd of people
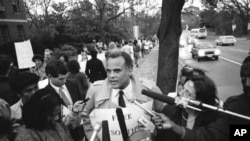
59	109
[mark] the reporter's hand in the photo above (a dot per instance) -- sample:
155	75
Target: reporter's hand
161	121
78	106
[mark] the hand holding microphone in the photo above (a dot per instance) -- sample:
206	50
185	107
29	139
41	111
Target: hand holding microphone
162	122
97	128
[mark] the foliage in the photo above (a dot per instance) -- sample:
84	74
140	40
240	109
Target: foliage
83	21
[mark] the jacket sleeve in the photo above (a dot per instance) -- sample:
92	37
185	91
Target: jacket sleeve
158	106
215	131
89	107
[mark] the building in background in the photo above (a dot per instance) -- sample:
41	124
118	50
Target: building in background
13	22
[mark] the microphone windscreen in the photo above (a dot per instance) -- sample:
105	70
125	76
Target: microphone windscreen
160	97
105	131
97	126
121	121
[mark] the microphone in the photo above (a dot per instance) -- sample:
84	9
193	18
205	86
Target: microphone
172	101
160	97
105	131
97	128
121	121
164	98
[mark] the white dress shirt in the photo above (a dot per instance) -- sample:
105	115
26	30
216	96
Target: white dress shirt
128	95
65	90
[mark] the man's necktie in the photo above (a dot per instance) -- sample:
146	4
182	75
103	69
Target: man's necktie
121	101
63	96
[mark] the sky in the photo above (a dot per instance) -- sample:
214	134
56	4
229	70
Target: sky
196	3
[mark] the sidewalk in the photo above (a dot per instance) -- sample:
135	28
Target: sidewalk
148	66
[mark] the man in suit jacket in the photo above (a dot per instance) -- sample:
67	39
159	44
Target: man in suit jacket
105	94
67	89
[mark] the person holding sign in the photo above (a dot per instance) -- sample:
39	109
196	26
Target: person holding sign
120	89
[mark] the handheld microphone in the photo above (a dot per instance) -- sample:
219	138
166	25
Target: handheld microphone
97	128
164	98
121	121
105	131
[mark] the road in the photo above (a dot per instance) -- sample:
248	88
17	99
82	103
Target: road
226	71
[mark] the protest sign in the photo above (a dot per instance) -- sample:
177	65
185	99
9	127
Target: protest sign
132	114
24	54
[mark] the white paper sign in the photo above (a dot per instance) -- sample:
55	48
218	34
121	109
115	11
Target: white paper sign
132	113
24	54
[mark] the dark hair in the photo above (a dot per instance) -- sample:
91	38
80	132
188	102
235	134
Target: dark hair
55	67
22	80
37	111
188	71
38	57
73	66
117	53
135	42
5	62
205	87
65	56
93	53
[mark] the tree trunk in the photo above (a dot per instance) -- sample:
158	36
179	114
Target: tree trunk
169	34
245	26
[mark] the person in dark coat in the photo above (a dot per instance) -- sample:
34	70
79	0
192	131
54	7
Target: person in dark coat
41	117
95	69
6	92
5	120
80	78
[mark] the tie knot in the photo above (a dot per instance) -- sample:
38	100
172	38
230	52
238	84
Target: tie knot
121	92
61	88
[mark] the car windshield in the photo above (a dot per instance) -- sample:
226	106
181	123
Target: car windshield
202	30
205	45
230	37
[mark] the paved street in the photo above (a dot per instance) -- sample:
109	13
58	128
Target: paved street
225	72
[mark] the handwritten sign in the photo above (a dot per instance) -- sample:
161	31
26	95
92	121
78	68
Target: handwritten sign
24	54
132	113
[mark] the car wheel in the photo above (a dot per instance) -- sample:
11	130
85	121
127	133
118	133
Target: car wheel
198	59
216	57
217	44
232	44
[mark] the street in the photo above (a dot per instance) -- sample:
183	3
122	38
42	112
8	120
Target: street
226	71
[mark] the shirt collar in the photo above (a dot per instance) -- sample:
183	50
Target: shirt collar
55	87
126	90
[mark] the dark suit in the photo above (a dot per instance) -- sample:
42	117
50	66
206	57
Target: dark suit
77	133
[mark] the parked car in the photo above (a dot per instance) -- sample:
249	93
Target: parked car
205	49
225	40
